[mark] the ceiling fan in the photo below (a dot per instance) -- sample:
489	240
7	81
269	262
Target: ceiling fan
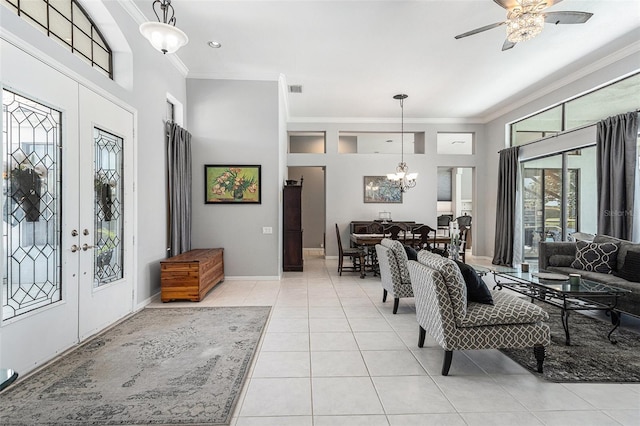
526	18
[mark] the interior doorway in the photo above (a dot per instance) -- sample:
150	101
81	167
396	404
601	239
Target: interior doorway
313	208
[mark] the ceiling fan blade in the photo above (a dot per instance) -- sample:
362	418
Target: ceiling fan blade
510	4
479	30
507	45
567	17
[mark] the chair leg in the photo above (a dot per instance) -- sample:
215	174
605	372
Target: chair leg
340	260
421	337
396	302
448	356
384	295
539	351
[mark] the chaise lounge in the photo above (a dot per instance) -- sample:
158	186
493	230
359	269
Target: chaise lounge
442	310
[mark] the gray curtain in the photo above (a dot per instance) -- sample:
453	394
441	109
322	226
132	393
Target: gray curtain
506	206
179	188
616	168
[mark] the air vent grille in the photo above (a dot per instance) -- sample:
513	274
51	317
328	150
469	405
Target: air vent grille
295	88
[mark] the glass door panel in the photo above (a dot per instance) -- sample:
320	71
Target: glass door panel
108	207
542	202
582	196
31	203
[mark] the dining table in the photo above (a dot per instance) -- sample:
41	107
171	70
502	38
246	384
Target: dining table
368	242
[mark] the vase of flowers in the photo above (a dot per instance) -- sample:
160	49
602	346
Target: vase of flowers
234	183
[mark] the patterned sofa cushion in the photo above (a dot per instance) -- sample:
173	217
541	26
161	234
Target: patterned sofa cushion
401	256
453	280
596	257
507	309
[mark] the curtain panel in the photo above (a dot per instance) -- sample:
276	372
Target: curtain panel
506	206
616	171
179	188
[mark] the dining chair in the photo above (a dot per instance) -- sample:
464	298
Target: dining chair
395	231
443	222
375	228
423	242
355	254
464	220
464	233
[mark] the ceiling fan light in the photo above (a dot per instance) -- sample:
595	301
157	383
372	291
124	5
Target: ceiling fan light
525	26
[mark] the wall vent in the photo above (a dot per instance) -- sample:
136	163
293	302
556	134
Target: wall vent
295	88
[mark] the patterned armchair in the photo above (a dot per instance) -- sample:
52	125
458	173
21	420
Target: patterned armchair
392	260
442	311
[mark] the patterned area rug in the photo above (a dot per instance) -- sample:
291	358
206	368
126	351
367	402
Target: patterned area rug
161	366
591	357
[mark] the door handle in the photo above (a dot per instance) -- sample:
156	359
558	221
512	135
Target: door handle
74	248
86	247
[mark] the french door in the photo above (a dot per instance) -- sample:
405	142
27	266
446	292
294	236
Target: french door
66	208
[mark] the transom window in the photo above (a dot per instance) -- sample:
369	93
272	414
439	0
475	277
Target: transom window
66	22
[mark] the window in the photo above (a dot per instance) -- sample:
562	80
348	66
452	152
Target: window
616	98
66	22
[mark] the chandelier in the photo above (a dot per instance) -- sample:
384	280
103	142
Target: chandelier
525	21
163	35
402	178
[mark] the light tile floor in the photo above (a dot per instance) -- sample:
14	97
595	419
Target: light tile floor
334	354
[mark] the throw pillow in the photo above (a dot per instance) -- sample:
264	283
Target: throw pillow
412	254
477	290
560	260
595	257
631	268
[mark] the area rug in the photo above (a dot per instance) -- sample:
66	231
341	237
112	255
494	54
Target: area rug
161	366
590	357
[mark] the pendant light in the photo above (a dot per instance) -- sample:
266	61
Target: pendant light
402	178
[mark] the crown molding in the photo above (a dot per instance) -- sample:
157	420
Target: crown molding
575	76
378	120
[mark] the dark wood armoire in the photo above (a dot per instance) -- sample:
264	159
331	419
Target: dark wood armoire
292	228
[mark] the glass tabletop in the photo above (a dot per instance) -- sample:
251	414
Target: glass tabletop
561	282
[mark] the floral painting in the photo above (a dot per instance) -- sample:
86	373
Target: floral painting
379	189
232	184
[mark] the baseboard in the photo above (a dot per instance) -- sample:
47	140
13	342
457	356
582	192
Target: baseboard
251	278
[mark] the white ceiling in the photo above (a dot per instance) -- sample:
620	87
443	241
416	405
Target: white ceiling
351	57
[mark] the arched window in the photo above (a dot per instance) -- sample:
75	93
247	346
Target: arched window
66	22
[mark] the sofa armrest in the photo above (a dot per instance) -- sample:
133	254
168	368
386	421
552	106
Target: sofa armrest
546	249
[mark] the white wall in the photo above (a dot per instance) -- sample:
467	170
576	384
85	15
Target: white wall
237	122
345	174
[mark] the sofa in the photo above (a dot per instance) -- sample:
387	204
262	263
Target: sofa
443	311
624	264
394	275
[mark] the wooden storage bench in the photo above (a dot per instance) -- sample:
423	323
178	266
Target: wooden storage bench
191	275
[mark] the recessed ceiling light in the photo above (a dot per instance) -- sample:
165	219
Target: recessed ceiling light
389	140
215	44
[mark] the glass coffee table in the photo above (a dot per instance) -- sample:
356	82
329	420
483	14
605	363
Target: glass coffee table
556	290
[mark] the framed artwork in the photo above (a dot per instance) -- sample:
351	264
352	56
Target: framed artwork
379	189
232	184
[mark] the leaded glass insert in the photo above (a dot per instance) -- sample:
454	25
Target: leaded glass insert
66	22
31	205
108	261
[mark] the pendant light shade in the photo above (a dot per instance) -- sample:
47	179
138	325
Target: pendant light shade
163	35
